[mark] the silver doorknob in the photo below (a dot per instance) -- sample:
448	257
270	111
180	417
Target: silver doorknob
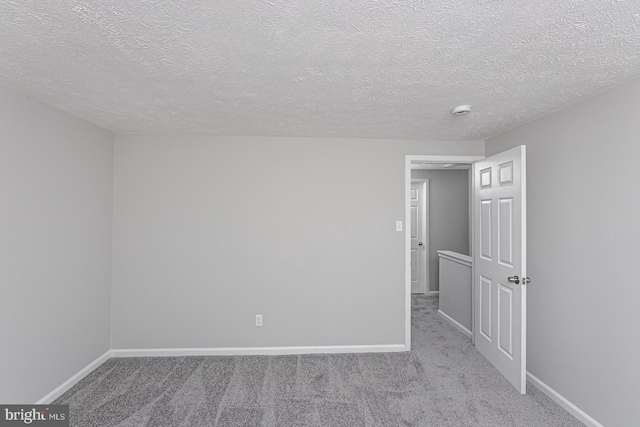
526	280
514	279
420	243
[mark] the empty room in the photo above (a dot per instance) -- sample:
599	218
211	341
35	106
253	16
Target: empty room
319	213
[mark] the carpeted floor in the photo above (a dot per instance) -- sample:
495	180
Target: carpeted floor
443	381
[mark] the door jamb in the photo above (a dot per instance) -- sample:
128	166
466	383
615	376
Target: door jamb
407	235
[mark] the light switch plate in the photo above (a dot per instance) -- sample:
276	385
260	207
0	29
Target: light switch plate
398	225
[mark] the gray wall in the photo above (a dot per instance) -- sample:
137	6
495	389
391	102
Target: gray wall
209	231
56	182
448	215
583	225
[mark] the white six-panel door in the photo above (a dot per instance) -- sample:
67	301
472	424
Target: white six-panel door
419	242
499	253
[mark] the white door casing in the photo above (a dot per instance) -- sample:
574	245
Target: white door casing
499	252
419	243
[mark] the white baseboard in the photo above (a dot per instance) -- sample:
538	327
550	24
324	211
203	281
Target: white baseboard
244	351
562	401
62	388
433	293
455	323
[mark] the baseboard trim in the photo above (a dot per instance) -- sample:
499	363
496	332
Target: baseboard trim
248	351
433	293
62	388
562	401
457	325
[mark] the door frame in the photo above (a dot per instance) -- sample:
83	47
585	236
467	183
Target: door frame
409	159
424	219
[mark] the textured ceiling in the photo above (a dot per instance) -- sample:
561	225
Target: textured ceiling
362	68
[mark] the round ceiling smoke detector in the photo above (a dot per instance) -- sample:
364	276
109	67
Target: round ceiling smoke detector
461	110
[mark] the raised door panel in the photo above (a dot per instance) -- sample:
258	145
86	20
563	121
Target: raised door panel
485	308
485	178
505	174
414	222
485	229
505	231
414	265
505	320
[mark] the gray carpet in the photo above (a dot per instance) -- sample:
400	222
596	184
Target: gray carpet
443	381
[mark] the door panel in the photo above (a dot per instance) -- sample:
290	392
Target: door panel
500	253
414	268
505	232
485	308
414	221
505	321
485	229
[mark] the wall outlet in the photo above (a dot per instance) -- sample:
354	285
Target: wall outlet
258	319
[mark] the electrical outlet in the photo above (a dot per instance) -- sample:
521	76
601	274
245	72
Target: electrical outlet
258	319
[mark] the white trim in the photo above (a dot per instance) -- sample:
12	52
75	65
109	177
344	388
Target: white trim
455	324
465	260
427	233
523	267
407	252
434	293
445	159
563	402
244	351
62	388
470	194
472	224
407	220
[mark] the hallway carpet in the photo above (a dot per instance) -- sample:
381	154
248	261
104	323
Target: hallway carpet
443	381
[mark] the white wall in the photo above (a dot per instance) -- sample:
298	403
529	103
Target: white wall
209	231
448	215
583	208
56	181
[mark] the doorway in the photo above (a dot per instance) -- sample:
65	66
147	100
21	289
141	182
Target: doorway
499	272
436	162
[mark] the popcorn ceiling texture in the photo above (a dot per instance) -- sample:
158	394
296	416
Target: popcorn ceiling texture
329	68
